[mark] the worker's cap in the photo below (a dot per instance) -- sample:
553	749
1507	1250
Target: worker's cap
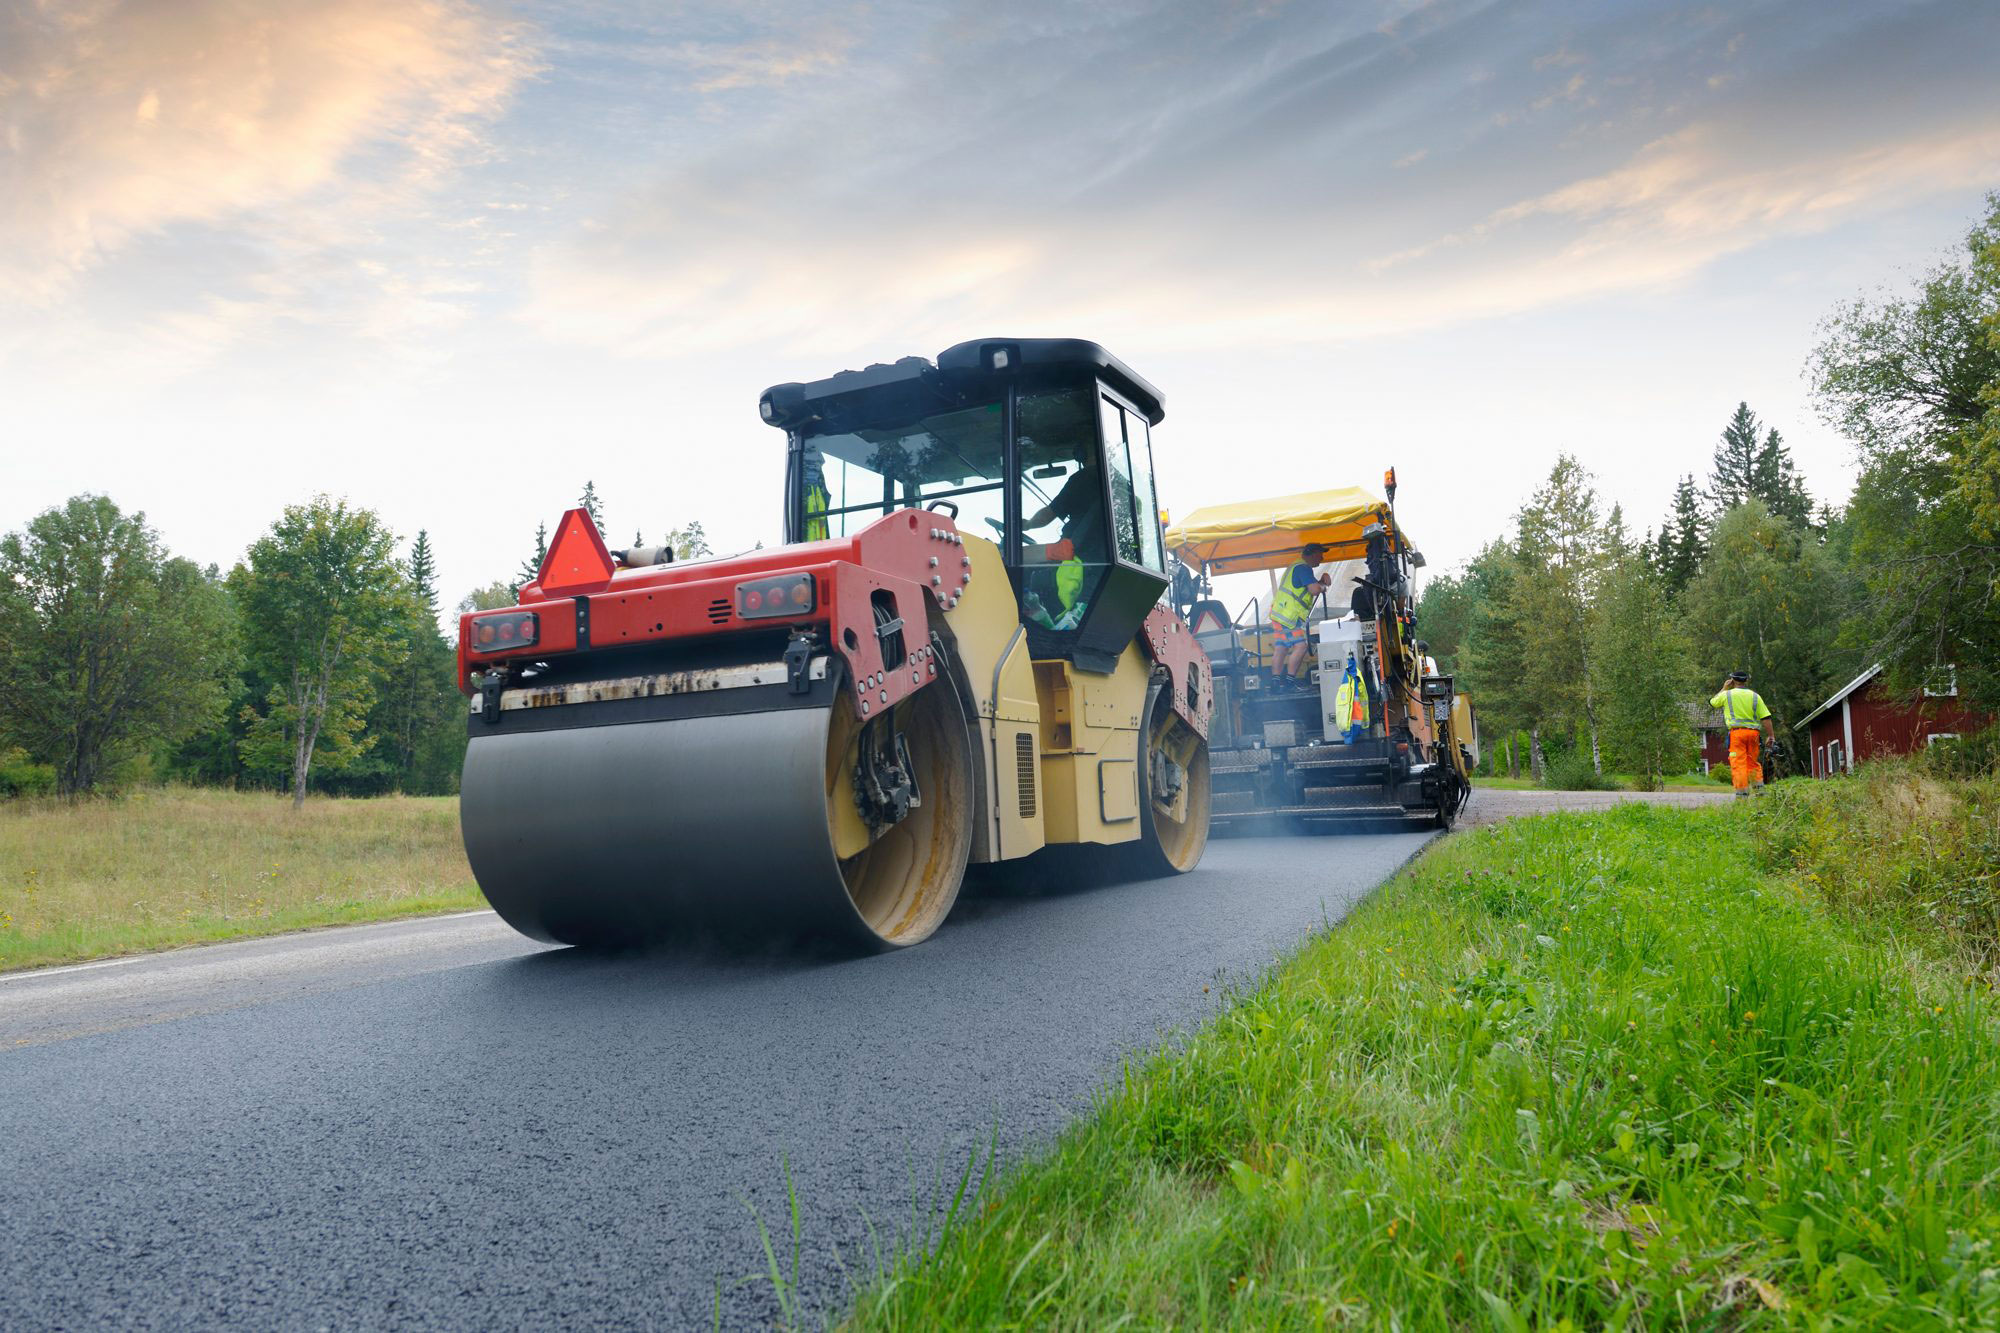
1314	552
1739	675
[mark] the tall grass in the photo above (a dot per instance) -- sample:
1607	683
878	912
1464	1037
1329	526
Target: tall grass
174	866
1568	1072
1896	843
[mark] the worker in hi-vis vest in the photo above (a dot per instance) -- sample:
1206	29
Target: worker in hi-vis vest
1291	607
1744	714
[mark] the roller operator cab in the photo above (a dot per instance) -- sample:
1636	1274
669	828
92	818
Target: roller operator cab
959	657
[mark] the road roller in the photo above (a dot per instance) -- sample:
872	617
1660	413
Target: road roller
960	656
1371	734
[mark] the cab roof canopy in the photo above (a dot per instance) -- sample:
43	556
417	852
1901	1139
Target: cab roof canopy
1268	534
969	372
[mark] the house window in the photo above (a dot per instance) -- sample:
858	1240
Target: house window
1943	684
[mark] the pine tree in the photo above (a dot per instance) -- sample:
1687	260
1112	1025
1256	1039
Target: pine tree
1617	541
1777	483
1497	642
1752	463
531	568
1734	478
590	504
1683	541
415	716
423	573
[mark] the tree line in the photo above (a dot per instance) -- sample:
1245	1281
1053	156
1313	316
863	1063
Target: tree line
316	663
1585	648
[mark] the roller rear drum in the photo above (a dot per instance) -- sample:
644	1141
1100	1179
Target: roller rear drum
741	825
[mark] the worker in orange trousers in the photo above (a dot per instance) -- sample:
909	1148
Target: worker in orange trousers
1745	714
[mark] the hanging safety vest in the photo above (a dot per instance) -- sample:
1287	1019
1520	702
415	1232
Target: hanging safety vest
816	496
1291	605
1350	703
816	499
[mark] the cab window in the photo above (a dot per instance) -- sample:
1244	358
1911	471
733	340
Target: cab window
852	478
1134	513
1062	551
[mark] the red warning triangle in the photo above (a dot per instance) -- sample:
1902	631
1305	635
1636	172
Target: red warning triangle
577	561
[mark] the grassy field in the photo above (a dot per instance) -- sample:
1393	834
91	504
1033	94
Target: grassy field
174	866
1570	1072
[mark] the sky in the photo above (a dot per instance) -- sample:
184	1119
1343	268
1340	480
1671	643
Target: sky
450	260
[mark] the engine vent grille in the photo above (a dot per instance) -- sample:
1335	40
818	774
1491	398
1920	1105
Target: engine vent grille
1024	767
718	611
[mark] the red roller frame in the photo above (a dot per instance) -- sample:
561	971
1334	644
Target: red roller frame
1172	645
907	556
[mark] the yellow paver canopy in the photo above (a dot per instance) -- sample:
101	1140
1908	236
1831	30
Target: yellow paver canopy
1267	534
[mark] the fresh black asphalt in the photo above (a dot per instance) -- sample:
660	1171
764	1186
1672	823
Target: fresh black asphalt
522	1137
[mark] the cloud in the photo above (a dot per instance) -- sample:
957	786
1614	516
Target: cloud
1684	201
1208	174
125	117
1708	191
724	67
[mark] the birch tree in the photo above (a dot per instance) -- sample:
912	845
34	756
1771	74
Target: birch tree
1562	547
322	596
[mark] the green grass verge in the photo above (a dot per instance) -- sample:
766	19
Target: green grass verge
1625	783
1573	1071
173	866
1898	845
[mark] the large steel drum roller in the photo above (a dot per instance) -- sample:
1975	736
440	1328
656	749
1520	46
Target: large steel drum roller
729	824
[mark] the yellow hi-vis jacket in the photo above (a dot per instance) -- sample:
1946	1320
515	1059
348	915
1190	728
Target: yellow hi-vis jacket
1069	581
1742	709
1291	605
1350	704
816	499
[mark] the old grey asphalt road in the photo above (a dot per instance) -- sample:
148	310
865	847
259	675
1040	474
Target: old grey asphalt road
442	1124
1490	805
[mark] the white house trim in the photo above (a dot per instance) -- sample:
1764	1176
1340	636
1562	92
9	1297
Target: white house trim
1840	697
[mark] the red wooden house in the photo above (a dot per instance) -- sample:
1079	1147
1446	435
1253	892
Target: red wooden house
1865	721
1708	724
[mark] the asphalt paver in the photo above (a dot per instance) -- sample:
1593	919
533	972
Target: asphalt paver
442	1124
